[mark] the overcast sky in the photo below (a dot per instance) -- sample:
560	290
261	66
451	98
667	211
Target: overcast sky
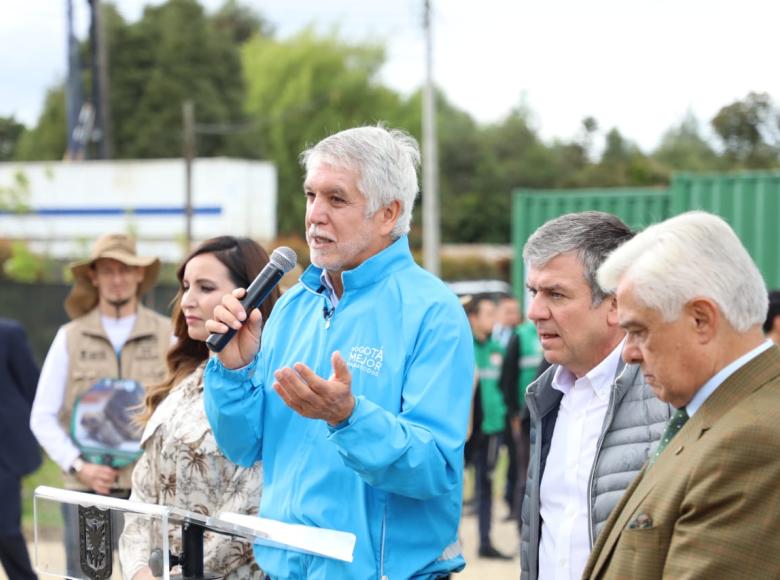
639	65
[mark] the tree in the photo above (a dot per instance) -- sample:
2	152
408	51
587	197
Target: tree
10	132
750	131
241	22
502	157
174	53
304	88
47	140
683	148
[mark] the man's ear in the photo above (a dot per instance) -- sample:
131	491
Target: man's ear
705	317
612	317
388	216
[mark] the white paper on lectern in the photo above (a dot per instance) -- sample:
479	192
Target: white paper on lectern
309	539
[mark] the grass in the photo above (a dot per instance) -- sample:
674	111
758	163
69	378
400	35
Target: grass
47	474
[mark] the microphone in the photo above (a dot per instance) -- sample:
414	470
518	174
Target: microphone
282	261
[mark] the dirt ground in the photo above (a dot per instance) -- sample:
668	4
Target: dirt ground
505	539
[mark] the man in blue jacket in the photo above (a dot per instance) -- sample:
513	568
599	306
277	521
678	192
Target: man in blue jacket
358	401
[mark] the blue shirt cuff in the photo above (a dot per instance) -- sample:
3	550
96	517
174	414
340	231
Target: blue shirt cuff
244	373
348	421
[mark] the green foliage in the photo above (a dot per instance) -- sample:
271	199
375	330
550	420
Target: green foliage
750	131
10	133
260	97
174	53
15	197
300	90
47	140
24	265
683	148
47	474
241	22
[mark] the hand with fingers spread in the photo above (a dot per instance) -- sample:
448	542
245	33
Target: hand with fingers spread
241	350
314	397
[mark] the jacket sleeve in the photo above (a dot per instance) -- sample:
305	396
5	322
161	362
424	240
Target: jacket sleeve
23	367
419	452
234	407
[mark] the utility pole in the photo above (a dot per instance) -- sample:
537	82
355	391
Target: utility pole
73	96
100	83
430	190
188	150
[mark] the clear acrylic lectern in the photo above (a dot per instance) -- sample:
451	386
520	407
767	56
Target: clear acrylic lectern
78	536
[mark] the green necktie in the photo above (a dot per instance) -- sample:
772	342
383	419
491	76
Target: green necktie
676	421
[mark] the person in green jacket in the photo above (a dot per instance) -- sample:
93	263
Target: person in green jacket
520	368
489	415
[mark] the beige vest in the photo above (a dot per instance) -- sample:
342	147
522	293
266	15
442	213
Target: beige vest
91	358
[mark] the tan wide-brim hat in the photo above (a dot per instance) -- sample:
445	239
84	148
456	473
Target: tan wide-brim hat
83	296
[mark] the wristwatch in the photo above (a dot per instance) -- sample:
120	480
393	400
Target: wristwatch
76	466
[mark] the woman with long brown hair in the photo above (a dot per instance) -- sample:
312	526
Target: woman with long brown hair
181	465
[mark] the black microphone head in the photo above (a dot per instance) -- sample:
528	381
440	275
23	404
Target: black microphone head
284	258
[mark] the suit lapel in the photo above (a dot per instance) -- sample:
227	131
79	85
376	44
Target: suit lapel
741	383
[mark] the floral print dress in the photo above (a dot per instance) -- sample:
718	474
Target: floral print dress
183	467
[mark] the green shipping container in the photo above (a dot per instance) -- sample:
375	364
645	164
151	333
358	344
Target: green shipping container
748	201
638	207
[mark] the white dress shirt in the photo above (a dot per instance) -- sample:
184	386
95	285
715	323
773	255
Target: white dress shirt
565	541
44	417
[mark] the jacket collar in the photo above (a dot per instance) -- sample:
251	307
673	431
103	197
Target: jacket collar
378	267
544	398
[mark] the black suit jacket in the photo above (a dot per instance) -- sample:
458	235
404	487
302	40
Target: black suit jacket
19	451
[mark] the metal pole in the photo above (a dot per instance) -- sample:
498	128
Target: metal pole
188	118
73	96
100	82
430	191
106	141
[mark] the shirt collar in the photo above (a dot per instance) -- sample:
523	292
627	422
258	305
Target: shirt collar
330	290
600	377
711	385
376	268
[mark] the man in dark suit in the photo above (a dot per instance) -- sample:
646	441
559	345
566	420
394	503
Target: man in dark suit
19	453
705	504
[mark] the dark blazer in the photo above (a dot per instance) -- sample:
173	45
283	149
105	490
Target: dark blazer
709	507
19	451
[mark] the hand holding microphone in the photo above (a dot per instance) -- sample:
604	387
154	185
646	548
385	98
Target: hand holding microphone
238	313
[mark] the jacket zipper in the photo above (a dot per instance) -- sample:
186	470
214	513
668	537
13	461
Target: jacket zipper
382	547
533	564
119	363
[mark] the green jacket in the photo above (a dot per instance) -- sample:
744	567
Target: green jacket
521	363
488	356
530	357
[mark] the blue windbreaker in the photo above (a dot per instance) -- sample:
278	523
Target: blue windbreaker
393	474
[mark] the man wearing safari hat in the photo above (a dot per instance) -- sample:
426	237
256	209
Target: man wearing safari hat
111	337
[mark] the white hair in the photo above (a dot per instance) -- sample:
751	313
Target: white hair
386	162
695	254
